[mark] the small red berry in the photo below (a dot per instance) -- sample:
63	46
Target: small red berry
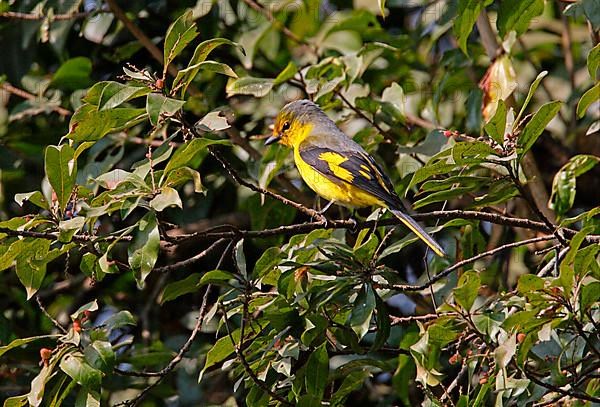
159	84
521	337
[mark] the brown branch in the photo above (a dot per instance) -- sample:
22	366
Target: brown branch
173	363
190	261
277	24
556	389
428	317
15	15
30	96
248	368
456	266
238	179
45	312
139	35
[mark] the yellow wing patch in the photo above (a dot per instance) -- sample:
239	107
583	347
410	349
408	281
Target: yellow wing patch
334	161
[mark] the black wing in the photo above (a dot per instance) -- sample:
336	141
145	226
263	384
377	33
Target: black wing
353	167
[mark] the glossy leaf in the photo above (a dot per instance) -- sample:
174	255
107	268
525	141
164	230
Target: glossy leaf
143	250
178	36
61	170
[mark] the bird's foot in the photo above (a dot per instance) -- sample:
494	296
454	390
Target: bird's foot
353	225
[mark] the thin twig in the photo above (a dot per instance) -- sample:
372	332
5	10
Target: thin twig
15	15
30	96
277	24
557	389
237	178
45	312
173	363
139	35
190	261
449	270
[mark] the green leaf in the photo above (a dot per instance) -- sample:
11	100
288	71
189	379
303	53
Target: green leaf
31	265
186	153
505	352
589	97
590	294
529	283
515	15
159	106
100	355
593	62
120	319
61	170
532	89
363	307
181	175
268	261
87	398
213	121
222	349
564	182
143	250
496	126
288	73
219	277
466	15
467	289
591	9
35	197
16	401
167	197
308	400
317	371
114	94
73	74
566	278
68	228
181	287
352	382
23	341
187	75
178	36
89	124
534	128
383	324
90	306
80	371
248	85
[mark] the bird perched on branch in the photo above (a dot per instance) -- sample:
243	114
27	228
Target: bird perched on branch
337	168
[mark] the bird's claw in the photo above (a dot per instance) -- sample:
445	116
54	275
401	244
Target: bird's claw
354	225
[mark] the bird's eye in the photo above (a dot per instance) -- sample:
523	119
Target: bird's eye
285	126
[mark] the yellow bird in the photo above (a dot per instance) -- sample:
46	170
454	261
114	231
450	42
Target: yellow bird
337	168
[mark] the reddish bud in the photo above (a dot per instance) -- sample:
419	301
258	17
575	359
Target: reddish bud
483	380
45	355
77	325
454	359
521	337
160	84
448	133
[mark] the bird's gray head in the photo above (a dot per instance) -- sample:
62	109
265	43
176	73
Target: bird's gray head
296	119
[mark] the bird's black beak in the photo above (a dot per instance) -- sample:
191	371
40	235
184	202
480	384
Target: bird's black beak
272	139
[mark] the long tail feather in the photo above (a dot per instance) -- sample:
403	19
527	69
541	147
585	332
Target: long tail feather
418	230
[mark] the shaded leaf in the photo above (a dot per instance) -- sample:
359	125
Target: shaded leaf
534	128
143	250
178	36
61	170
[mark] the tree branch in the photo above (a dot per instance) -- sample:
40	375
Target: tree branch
456	266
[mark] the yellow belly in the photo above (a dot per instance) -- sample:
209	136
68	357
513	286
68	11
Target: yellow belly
340	192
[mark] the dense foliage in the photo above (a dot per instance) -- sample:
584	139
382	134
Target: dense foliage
154	251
